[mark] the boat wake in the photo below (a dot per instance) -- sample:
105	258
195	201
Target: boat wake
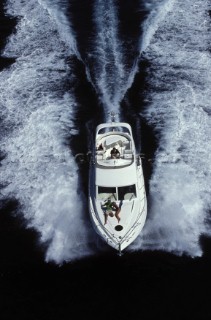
40	109
112	76
177	107
38	114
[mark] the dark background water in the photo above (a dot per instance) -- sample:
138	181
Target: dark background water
141	285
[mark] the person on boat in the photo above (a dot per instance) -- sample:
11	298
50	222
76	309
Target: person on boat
100	147
109	207
115	153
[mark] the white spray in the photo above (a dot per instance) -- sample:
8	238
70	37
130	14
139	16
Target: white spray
38	116
178	100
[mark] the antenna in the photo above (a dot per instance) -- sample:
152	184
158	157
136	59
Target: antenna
113	115
120	251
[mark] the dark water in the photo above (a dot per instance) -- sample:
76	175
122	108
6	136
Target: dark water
139	285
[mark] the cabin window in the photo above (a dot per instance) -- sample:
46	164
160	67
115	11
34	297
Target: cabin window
124	193
127	192
105	193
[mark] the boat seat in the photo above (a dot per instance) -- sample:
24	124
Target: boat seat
100	152
126	144
99	156
128	154
128	151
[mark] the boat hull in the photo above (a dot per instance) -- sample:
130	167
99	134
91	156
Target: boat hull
122	181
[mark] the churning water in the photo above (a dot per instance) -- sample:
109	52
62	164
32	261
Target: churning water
39	105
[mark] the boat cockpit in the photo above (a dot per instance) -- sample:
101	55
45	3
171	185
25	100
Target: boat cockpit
122	143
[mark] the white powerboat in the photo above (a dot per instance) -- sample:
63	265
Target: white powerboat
118	179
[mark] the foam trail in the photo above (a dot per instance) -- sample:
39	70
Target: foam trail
38	120
111	74
178	108
57	9
158	12
109	66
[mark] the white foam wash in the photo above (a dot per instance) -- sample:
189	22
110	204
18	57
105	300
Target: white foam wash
178	108
112	76
38	119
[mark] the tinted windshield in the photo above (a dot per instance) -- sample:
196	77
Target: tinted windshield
105	193
127	192
113	193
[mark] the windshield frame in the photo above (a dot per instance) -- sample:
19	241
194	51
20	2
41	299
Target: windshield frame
121	193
